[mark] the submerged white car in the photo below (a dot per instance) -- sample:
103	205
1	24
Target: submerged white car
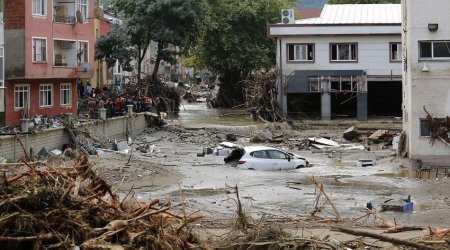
265	158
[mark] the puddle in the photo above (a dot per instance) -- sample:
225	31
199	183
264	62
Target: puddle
199	192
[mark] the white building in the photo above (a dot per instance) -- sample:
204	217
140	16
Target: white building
2	67
426	76
345	63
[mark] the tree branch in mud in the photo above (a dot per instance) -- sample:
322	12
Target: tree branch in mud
439	128
394	241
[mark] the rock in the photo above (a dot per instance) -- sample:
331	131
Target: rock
378	135
261	137
231	137
350	134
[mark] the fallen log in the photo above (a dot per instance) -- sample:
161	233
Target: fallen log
394	241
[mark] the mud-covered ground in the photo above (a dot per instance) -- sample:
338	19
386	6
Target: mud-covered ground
199	184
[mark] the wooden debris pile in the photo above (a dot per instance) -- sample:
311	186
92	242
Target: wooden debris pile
261	98
45	207
439	128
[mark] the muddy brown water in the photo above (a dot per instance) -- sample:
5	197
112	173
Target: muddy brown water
201	186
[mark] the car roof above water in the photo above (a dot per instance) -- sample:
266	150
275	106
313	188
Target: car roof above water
257	148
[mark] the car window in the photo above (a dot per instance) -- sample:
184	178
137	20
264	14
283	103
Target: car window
275	154
259	154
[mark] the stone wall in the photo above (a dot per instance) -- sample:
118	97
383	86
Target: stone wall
54	138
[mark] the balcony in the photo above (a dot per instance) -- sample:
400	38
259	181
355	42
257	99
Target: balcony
64	12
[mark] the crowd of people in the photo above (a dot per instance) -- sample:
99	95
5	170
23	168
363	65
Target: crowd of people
93	99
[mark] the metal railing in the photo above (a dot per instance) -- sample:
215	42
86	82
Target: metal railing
65	19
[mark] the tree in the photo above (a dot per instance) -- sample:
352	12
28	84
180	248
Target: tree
233	42
167	22
362	1
115	47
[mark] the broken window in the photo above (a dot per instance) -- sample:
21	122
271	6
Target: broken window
434	49
301	52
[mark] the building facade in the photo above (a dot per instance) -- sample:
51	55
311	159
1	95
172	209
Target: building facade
48	45
345	63
426	77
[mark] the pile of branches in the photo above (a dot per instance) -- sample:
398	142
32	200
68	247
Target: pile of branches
261	98
44	207
439	128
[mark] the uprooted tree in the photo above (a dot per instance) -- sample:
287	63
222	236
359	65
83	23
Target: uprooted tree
233	42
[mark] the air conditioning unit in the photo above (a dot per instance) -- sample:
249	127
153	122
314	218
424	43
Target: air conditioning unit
287	16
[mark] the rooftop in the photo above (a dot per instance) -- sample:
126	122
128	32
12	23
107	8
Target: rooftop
357	14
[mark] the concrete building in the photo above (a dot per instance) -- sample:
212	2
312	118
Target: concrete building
2	68
48	44
345	63
426	77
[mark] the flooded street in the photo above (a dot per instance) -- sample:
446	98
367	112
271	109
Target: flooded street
203	181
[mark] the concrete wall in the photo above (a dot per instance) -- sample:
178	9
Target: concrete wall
54	138
430	89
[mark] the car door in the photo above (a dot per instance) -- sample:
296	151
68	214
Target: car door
260	160
279	160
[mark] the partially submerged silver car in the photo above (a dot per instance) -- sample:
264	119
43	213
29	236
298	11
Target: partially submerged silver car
264	158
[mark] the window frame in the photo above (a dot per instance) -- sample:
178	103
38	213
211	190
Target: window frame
86	6
41	105
391	52
433	57
350	52
33	49
313	48
80	61
43	11
27	86
54	53
61	94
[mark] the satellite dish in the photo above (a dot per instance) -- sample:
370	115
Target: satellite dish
98	13
79	17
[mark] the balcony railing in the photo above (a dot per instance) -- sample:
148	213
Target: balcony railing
65	19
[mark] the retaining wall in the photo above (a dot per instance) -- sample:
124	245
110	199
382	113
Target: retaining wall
54	138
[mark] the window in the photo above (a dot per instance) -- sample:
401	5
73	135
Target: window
39	7
424	127
66	94
39	50
343	52
2	69
396	52
313	83
65	53
83	8
434	49
301	52
21	95
45	95
83	52
259	154
275	154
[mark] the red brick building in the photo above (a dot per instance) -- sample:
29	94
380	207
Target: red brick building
48	44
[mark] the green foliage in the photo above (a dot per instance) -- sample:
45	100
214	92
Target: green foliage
115	46
234	43
361	1
167	22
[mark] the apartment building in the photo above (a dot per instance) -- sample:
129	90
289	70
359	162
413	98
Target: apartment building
426	78
346	63
48	45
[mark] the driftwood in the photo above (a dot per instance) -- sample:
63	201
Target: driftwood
328	199
260	98
439	128
41	207
394	241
